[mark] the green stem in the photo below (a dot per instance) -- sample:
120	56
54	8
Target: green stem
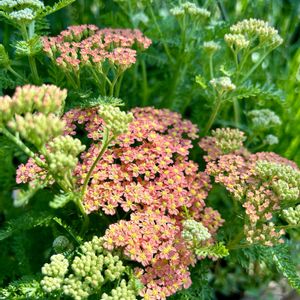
144	84
118	85
256	65
211	67
105	143
11	70
237	112
113	83
213	115
166	48
23	147
31	59
98	82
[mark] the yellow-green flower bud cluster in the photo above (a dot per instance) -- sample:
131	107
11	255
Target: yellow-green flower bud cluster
191	9
61	154
116	121
89	271
222	84
284	178
45	99
54	273
264	118
257	29
292	215
236	41
37	129
194	231
228	140
122	292
211	47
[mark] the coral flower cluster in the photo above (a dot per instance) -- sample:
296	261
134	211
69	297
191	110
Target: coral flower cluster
261	182
88	45
147	173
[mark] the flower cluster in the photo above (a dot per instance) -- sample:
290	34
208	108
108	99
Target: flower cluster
211	47
236	41
87	45
252	30
194	231
46	99
21	10
34	114
116	121
87	274
222	141
259	181
222	85
264	118
147	172
292	215
192	10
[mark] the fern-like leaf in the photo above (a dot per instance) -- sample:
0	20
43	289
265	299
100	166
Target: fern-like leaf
52	9
216	251
25	222
285	264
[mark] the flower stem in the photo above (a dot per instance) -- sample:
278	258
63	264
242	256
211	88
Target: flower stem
11	70
31	59
213	115
105	143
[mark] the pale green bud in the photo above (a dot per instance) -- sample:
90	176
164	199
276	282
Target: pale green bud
228	140
37	129
292	215
222	84
116	121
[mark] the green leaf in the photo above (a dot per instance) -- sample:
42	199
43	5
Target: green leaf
61	200
285	264
30	47
265	92
215	251
52	9
25	222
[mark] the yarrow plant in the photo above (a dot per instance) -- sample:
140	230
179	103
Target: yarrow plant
133	172
104	53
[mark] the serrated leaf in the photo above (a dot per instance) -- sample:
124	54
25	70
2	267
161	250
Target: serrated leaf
29	48
52	9
265	92
25	222
284	263
61	200
216	251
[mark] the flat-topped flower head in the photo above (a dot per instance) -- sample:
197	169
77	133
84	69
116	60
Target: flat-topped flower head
88	45
222	84
236	41
211	47
257	29
264	118
23	11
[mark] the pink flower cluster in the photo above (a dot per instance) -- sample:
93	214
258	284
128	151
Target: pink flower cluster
89	45
237	172
147	172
